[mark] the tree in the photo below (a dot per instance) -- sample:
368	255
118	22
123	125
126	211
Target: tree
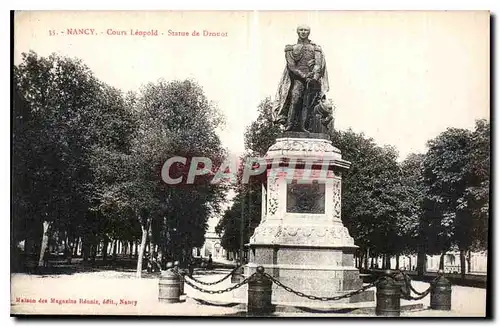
371	199
261	133
88	159
180	111
175	119
56	96
446	175
413	191
478	187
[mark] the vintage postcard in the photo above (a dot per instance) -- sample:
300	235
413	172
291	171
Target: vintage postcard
250	163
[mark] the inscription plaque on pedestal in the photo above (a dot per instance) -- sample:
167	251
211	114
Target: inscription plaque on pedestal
305	198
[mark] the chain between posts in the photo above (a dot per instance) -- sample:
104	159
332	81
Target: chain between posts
213	283
229	289
407	295
322	298
421	295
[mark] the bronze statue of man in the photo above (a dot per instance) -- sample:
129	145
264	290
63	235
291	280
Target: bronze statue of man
303	83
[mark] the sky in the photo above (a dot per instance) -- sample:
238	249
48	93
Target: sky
399	77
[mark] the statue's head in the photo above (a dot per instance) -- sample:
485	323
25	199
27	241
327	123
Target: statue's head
303	32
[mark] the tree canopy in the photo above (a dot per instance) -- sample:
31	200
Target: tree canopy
87	161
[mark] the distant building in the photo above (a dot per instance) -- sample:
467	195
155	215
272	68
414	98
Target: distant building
478	262
212	243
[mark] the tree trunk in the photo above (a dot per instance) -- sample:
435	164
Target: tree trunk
144	229
75	249
160	256
409	263
115	245
441	261
387	258
136	249
93	252
150	239
105	249
131	245
469	261
72	247
44	244
28	246
85	248
65	244
68	250
371	263
79	249
397	261
421	261
367	255
462	263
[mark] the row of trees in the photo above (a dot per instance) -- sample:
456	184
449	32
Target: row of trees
87	165
427	204
87	162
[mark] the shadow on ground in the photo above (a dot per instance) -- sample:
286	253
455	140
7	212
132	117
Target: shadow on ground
77	265
121	264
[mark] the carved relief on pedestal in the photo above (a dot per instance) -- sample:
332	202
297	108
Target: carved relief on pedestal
273	197
337	199
273	206
266	234
303	145
305	198
320	232
318	235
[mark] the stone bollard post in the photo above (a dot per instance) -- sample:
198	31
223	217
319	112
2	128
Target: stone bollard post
441	293
169	286
259	293
388	296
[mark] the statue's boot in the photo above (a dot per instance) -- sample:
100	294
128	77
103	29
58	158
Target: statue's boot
302	129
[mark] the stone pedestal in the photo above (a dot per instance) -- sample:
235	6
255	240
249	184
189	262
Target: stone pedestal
301	239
